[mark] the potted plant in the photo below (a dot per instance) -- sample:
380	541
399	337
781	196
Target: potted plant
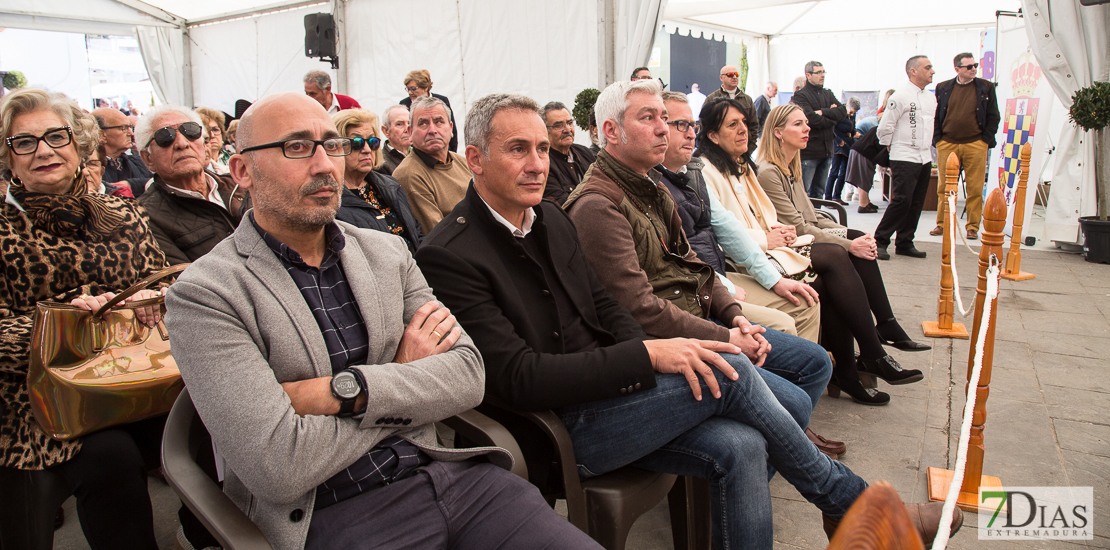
1090	110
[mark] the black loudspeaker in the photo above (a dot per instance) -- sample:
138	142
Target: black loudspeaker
319	35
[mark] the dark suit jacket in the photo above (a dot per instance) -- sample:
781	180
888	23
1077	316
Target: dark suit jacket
132	172
454	145
499	295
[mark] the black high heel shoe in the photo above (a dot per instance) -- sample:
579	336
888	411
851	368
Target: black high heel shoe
858	393
904	345
889	370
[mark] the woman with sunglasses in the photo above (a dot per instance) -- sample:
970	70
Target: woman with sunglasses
847	302
191	208
371	199
60	243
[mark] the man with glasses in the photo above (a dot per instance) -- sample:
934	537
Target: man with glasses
395	128
434	178
317	85
191	208
319	360
641	73
966	124
823	111
118	135
569	160
730	87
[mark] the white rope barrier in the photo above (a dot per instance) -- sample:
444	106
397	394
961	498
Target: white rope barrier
943	533
952	221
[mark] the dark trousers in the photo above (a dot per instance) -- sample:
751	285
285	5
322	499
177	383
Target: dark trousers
108	477
454	505
835	183
907	198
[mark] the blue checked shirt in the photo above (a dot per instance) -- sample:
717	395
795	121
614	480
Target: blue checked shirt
333	305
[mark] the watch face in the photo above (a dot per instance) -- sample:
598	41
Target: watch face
345	386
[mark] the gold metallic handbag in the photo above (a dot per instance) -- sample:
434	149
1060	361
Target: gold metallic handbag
89	372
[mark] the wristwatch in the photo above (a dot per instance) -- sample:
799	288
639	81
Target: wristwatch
346	386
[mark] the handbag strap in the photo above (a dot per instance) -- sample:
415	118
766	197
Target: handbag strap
141	285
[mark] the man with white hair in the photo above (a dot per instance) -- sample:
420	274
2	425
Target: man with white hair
317	85
191	208
395	128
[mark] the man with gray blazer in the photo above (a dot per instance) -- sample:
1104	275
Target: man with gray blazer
318	359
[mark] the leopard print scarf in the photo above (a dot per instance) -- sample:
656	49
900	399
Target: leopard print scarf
67	213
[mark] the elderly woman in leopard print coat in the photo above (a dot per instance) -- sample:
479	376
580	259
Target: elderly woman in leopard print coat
60	243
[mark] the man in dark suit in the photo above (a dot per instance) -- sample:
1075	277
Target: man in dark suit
510	267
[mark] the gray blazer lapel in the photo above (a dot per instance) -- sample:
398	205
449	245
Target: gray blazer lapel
264	264
364	285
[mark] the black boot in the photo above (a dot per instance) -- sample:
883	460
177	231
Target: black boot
889	370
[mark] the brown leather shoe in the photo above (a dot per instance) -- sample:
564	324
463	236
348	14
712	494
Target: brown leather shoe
972	234
924	517
833	449
937	231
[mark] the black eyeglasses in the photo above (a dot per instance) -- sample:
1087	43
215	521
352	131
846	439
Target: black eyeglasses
302	148
358	143
818	72
969	67
683	125
128	126
25	145
164	137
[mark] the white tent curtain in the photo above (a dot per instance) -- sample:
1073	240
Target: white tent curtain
637	23
472	48
1071	45
87	16
255	56
163	53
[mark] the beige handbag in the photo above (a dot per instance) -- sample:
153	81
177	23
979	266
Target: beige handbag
88	373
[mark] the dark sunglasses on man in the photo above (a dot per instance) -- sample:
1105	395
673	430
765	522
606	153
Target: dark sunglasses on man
357	143
969	67
165	137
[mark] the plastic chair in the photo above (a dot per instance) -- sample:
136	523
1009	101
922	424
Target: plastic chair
29	506
227	523
840	211
604	506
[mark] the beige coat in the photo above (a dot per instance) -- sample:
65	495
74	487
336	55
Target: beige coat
793	207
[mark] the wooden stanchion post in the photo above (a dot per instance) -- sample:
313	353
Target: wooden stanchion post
994	221
1013	271
943	327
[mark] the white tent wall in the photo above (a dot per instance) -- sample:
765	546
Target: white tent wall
86	16
1071	44
68	72
867	61
163	54
251	57
472	48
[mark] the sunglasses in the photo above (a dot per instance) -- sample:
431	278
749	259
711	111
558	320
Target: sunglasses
165	137
969	67
357	143
730	75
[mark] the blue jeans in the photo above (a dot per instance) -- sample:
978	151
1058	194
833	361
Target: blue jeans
729	441
835	184
814	174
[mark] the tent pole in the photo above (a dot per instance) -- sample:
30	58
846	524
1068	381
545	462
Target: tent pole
187	65
339	9
606	42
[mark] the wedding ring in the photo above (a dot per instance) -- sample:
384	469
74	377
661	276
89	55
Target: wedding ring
438	335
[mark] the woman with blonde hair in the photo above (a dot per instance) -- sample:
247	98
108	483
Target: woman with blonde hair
418	83
847	302
372	200
61	243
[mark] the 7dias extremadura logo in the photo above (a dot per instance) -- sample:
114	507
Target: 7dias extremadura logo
1037	513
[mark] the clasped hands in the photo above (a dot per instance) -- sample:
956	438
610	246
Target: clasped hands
147	315
693	358
864	247
431	331
781	235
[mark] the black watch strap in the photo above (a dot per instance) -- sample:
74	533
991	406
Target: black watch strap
347	398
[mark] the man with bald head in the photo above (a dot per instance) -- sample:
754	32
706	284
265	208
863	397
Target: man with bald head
730	87
117	133
319	360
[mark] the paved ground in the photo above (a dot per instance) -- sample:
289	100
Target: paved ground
1048	409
